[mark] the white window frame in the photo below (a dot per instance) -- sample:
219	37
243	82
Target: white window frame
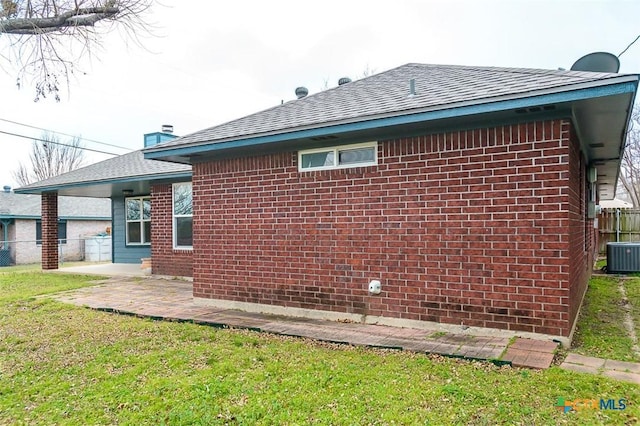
142	220
336	151
174	217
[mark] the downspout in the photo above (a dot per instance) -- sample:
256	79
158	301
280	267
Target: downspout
617	225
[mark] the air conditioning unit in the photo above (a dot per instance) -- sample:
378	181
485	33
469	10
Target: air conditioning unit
623	258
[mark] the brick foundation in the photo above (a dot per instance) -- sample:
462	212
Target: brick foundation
165	259
479	227
49	230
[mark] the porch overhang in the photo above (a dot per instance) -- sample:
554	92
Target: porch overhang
131	186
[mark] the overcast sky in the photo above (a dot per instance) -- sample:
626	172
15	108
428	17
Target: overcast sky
213	61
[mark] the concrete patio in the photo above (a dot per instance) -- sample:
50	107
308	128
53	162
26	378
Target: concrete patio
107	269
129	292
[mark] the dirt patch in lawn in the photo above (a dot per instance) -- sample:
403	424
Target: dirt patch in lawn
609	319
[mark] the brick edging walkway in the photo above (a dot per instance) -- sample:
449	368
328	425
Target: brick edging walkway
531	353
620	370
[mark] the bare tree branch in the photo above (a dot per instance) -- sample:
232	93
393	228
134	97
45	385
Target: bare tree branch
49	157
367	72
79	17
630	164
49	38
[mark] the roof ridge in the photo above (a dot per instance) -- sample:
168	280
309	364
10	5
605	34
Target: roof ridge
522	70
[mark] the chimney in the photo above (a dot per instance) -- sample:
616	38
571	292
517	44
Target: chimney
152	139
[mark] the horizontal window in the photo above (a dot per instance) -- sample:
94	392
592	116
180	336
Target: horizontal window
339	157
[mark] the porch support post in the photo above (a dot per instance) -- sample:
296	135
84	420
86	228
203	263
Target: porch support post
5	233
49	230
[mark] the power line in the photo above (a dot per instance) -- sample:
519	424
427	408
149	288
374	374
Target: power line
64	134
630	44
57	143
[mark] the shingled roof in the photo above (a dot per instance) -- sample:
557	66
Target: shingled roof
25	206
109	174
387	94
415	99
444	97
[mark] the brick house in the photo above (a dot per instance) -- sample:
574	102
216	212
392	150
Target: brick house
130	181
468	193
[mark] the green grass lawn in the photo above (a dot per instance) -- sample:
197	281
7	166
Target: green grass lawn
600	331
60	364
37	267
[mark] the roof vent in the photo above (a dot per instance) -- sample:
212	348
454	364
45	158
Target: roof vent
344	80
597	62
7	189
301	92
167	128
412	87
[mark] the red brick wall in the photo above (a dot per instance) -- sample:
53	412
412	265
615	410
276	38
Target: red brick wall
462	228
49	211
166	260
582	235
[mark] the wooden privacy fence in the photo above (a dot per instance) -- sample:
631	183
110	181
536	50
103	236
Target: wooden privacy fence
621	225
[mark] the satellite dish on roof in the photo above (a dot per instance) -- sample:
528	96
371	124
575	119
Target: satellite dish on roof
597	62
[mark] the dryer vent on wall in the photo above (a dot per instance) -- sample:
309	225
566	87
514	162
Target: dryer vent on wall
623	258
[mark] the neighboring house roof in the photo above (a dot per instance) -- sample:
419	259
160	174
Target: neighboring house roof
446	97
24	206
131	172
